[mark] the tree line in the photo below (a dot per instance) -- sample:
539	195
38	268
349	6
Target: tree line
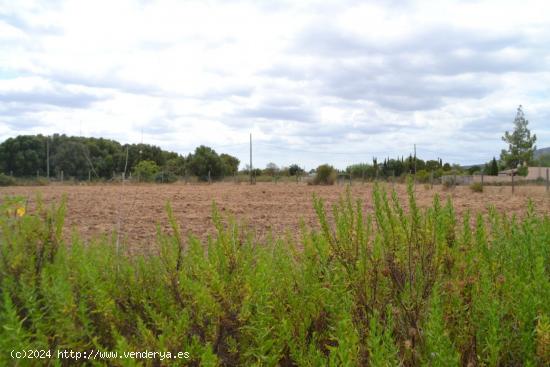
98	158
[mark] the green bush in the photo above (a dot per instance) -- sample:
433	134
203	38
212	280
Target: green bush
6	180
325	175
165	177
476	187
523	171
146	171
423	176
392	287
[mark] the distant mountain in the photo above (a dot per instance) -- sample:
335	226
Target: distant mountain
542	151
537	154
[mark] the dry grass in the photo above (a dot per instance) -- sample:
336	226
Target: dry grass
266	207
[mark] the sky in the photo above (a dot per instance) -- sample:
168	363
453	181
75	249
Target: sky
314	82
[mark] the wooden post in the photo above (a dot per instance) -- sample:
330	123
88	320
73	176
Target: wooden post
209	178
512	183
48	157
61	176
547	182
250	167
89	176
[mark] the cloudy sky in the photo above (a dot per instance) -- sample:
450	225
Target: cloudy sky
313	81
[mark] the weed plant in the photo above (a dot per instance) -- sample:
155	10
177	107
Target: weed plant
392	288
476	187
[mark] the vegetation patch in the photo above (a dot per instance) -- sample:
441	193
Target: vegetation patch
325	175
392	287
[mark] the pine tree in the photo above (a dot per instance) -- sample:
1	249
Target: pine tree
521	145
493	168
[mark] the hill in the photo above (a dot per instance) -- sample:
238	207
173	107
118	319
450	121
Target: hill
542	151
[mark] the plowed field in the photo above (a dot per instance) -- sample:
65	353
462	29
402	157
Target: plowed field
266	207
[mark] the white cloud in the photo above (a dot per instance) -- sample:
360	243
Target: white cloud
314	81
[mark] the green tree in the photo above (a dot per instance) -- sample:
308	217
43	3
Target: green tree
23	155
205	160
146	170
294	170
271	169
492	168
473	169
325	175
70	157
521	145
230	164
176	166
544	160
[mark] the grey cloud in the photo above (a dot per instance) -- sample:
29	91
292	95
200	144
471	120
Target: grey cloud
278	113
327	40
280	108
400	75
159	127
105	81
23	123
56	97
26	26
229	91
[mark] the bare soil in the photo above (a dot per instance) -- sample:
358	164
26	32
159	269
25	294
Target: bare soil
95	210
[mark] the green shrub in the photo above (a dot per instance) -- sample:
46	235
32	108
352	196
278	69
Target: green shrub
325	175
165	177
6	180
476	187
388	287
146	171
423	176
523	171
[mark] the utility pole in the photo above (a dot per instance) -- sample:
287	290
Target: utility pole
251	158
415	166
48	157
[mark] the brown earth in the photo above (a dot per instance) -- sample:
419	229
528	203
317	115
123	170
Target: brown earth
266	207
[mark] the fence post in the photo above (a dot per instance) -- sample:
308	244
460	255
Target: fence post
547	182
513	183
61	176
89	176
209	178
